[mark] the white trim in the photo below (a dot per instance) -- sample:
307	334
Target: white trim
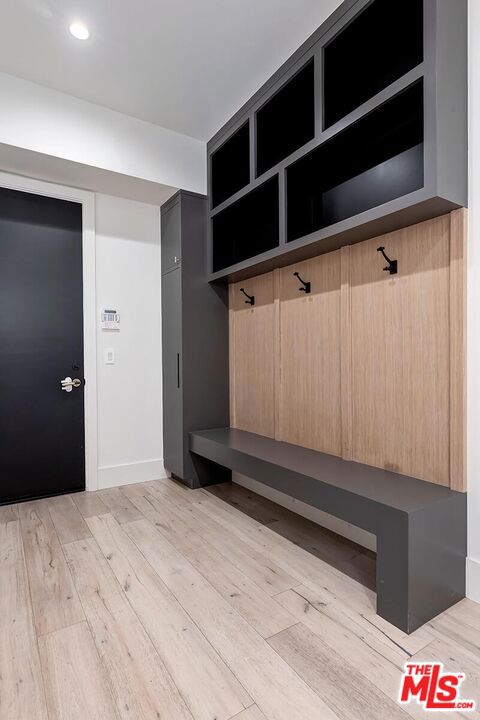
130	473
473	579
87	200
352	532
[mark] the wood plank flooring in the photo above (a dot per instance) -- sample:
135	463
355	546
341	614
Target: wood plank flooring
156	602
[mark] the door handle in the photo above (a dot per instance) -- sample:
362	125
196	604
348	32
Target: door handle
68	384
178	371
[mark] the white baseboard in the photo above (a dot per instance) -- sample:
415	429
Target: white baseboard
130	473
473	579
362	537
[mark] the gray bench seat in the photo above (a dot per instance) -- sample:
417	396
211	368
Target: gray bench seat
420	527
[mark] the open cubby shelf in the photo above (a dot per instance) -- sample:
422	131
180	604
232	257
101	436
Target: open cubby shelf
287	120
375	160
364	130
248	227
231	166
380	45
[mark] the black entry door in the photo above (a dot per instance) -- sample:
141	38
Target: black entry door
42	434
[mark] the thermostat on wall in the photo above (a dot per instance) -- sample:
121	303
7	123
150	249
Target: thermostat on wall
110	319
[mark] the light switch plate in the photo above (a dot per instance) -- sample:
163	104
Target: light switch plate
109	356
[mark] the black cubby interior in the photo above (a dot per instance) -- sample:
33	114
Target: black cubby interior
248	227
287	120
375	160
379	46
230	166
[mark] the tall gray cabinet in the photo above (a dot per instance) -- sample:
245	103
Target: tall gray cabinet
194	336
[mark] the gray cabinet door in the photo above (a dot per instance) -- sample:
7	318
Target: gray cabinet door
171	237
172	372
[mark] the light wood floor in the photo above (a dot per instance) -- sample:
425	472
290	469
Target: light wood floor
156	602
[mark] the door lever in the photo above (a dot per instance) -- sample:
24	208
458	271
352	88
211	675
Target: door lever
68	384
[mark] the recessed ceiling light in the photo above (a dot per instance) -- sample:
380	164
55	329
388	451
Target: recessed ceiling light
79	31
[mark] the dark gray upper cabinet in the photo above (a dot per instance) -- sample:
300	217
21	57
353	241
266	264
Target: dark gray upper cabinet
362	131
171	237
382	158
194	335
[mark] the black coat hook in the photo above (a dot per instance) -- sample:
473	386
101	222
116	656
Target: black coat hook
307	287
392	266
250	298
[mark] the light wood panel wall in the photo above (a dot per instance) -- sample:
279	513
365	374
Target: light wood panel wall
252	356
346	353
309	411
400	352
369	366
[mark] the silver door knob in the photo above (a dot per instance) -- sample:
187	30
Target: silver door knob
68	384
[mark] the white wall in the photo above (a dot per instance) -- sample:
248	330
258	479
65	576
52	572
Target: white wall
68	173
36	118
473	377
130	447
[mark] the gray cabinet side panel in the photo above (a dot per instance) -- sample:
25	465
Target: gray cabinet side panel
173	452
205	331
452	94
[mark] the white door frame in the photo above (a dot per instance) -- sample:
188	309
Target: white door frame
87	200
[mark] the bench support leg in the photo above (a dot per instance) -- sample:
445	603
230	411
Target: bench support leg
421	560
208	473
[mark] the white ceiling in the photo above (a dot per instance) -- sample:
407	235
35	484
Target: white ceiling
185	64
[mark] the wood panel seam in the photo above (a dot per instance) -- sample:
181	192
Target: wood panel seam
346	353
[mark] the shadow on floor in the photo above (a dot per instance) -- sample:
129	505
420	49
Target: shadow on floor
345	555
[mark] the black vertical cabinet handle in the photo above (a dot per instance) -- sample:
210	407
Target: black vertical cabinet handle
178	370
